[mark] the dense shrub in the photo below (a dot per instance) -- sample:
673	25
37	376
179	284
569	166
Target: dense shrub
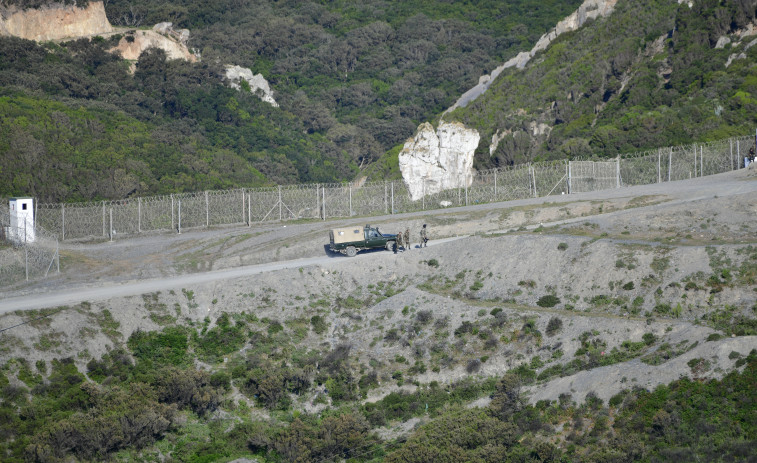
550	300
553	326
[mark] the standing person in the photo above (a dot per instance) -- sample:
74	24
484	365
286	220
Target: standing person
424	236
400	242
407	238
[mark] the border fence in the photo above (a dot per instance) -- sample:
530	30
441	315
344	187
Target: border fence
22	258
245	206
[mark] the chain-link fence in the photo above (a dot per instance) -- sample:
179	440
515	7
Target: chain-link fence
24	253
110	219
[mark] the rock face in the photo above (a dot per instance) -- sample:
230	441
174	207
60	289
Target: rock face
590	9
56	23
131	46
258	85
433	161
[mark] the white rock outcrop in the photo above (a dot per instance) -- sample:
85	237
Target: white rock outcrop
590	9
436	160
131	46
258	85
56	22
742	54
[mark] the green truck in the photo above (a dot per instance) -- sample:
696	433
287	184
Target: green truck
350	240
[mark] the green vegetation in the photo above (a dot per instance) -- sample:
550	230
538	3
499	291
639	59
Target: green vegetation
353	80
623	83
549	300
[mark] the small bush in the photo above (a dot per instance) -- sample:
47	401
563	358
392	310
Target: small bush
424	316
549	300
319	324
433	263
554	325
628	286
562	246
662	309
473	366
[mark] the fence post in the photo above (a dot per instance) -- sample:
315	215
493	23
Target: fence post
738	151
617	172
495	184
280	211
26	261
62	222
243	221
670	162
139	215
173	227
324	202
179	227
466	193
533	179
249	210
207	210
386	198
104	219
111	223
423	195
350	199
392	197
57	254
731	143
659	172
701	160
570	172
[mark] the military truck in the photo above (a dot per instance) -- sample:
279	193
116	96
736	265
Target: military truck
350	240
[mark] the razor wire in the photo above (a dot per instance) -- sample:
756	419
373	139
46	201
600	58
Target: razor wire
25	253
109	219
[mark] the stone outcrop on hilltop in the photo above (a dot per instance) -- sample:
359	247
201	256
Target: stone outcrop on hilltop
436	160
258	85
162	36
59	22
56	23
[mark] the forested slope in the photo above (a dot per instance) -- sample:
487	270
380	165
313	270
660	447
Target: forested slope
651	74
353	80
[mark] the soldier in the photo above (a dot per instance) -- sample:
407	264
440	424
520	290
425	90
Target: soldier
424	236
400	242
406	238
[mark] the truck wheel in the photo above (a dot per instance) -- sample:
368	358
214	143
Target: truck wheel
351	251
390	245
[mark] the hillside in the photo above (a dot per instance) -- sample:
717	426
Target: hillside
626	318
352	80
653	73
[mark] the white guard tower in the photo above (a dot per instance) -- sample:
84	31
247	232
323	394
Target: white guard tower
21	220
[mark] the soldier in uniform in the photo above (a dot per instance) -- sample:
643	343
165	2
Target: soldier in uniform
407	238
424	236
400	242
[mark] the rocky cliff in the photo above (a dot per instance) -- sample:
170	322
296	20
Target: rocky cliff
162	36
436	160
258	85
56	23
431	162
590	9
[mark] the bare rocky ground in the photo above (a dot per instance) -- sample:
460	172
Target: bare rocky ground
645	266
